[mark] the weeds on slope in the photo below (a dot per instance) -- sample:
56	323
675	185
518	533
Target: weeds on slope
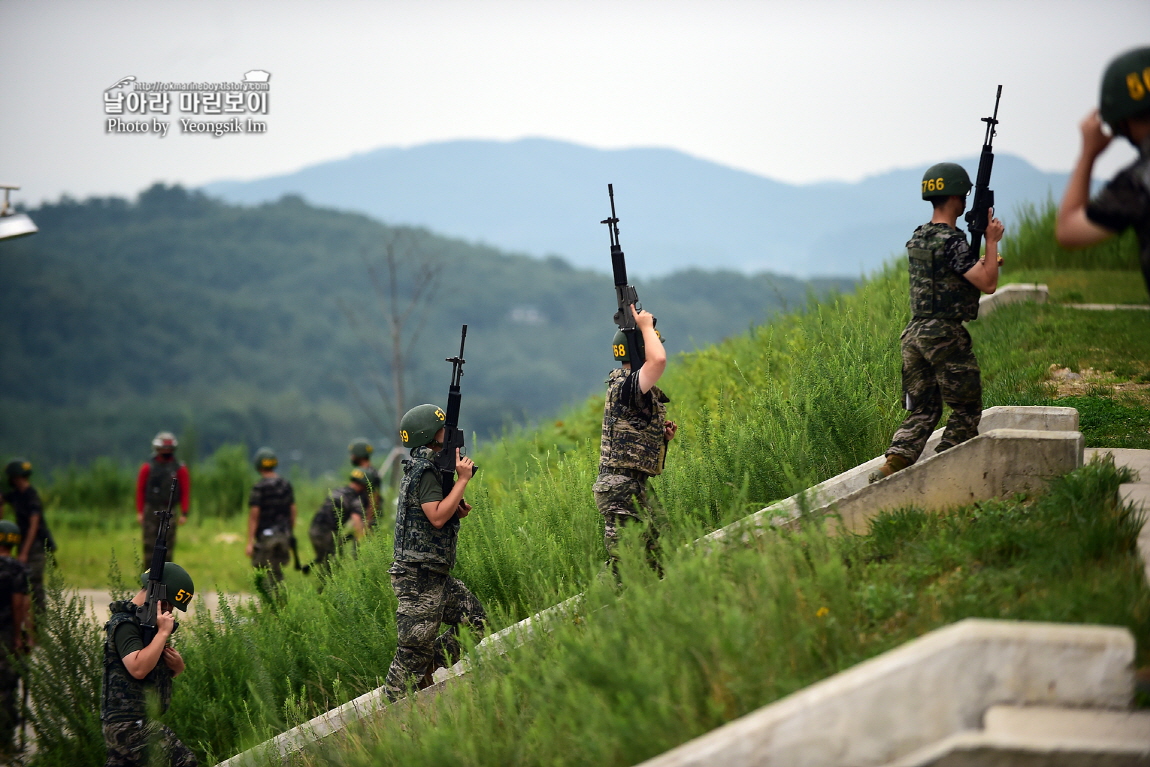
655	663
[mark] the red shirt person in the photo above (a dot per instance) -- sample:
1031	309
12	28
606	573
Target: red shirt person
153	487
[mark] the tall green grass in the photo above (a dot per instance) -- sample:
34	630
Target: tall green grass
1030	244
651	665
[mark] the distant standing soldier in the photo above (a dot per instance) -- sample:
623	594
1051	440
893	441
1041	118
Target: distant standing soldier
271	523
36	539
134	671
342	508
360	451
426	534
938	362
154	485
1125	201
635	436
15	630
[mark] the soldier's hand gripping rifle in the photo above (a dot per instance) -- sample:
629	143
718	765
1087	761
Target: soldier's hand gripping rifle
625	294
452	436
156	592
978	217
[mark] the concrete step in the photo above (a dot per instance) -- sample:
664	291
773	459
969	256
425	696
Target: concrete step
908	701
1041	735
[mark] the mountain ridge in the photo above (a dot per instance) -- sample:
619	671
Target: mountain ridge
545	197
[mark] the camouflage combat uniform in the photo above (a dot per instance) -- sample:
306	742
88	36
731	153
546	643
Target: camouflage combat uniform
27	505
633	449
938	362
156	494
274	497
1125	202
428	595
327	523
128	734
13	580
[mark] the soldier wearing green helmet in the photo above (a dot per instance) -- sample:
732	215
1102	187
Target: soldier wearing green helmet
360	451
271	517
426	534
938	362
1124	202
15	631
635	436
135	671
36	538
339	519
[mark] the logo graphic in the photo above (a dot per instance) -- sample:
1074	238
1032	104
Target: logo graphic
257	76
123	82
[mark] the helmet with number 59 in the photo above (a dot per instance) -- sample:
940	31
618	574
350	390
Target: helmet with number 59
419	425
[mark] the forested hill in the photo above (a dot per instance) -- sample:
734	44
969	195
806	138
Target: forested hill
260	325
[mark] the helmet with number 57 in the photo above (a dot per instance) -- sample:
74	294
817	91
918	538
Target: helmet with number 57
1126	88
945	179
179	585
419	425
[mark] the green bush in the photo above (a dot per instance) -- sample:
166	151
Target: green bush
103	485
1030	244
220	484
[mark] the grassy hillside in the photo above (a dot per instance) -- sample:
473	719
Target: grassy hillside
763	414
260	326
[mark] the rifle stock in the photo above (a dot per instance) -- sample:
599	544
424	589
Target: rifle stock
978	217
452	436
155	591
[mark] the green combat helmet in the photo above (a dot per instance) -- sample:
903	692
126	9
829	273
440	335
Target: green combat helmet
1126	88
360	448
419	425
945	179
359	477
178	583
18	467
9	533
265	459
619	345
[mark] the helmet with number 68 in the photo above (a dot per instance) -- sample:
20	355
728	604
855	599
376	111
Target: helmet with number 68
1126	88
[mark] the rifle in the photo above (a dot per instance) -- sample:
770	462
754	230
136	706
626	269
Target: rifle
156	591
978	217
305	569
452	437
625	294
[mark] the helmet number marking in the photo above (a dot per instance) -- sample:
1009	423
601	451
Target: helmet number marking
1138	84
620	350
439	414
403	435
182	596
933	184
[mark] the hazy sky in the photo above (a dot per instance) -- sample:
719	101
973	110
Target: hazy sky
798	91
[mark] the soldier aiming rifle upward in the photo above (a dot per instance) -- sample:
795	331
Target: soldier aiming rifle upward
635	428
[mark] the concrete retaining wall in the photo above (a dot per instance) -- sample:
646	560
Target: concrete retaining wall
918	694
1012	294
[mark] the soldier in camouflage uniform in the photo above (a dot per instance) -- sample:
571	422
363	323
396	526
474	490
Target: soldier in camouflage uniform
1124	202
135	673
15	631
635	436
271	520
938	362
360	451
426	533
36	538
341	508
153	488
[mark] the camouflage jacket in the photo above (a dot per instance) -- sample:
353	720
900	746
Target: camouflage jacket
939	255
340	504
633	426
416	539
369	498
125	698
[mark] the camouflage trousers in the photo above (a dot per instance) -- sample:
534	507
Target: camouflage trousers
326	545
622	500
9	699
37	560
130	744
938	365
427	599
151	527
272	550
